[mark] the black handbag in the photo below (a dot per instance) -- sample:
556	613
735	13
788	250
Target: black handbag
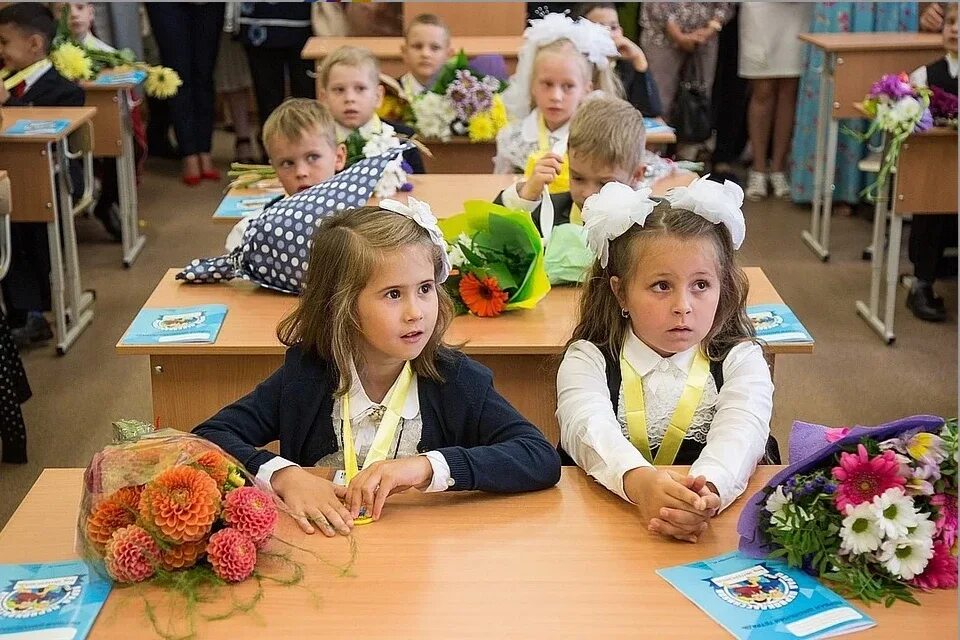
691	108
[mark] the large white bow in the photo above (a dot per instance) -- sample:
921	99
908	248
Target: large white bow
608	214
421	213
718	203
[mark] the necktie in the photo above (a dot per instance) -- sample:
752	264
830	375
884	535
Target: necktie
20	89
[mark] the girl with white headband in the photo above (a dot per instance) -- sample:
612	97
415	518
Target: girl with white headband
368	387
663	367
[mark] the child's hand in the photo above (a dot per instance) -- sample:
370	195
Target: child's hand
371	487
670	502
545	171
312	499
630	50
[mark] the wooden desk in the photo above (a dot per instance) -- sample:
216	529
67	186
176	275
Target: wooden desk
522	348
387	50
572	561
852	63
917	190
113	138
38	169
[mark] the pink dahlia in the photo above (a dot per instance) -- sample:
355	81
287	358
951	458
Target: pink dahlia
941	570
251	511
131	555
232	555
946	519
861	478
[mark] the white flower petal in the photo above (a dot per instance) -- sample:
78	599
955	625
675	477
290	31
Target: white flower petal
608	214
421	213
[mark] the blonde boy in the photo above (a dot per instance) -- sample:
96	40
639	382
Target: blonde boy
607	144
425	48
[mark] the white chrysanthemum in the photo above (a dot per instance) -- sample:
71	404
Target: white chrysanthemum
906	109
457	259
924	529
776	501
860	532
393	178
379	144
434	114
906	558
895	513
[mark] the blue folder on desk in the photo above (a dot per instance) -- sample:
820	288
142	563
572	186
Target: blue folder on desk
51	600
127	77
25	127
199	324
653	125
237	207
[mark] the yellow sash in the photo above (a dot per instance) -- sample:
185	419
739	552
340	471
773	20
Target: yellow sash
575	216
386	432
562	183
682	415
10	81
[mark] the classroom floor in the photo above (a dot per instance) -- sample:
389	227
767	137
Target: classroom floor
852	377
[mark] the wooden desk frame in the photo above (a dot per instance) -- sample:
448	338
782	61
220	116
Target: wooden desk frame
852	61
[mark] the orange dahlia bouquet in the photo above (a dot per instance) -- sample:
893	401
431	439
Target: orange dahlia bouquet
497	254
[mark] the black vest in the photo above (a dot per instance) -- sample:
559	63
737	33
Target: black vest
938	75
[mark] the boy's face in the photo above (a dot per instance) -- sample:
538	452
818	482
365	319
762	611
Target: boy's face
588	175
18	48
608	18
425	50
305	162
352	95
950	30
81	18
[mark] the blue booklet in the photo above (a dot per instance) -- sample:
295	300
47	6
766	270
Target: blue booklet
183	324
25	127
136	76
52	601
764	599
653	125
237	207
777	323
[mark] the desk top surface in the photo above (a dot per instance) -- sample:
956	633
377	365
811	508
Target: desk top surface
385	47
881	41
571	561
254	312
76	115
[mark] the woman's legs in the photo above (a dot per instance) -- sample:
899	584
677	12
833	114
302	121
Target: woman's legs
783	121
759	125
236	103
207	25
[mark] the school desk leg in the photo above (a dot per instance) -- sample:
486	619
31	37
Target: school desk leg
823	165
871	313
131	239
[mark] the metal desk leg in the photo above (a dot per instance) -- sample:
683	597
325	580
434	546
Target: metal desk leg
127	189
893	268
824	164
871	313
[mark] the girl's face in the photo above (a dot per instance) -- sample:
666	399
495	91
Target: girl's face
673	293
558	86
81	18
397	310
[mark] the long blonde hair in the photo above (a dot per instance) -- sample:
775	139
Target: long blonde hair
347	248
600	320
603	78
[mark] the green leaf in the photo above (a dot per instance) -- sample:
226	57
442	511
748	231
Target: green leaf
499	271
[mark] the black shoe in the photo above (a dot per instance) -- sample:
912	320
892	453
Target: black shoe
36	330
110	218
924	303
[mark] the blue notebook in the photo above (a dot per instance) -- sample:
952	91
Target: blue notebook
652	125
183	324
777	323
126	77
56	601
36	127
764	599
236	207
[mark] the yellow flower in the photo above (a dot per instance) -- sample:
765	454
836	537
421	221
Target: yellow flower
481	127
498	112
72	62
162	82
391	108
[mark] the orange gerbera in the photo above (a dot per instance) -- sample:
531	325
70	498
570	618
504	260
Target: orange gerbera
181	504
114	512
483	297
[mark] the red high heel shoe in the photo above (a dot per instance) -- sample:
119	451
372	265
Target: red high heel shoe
191	180
211	174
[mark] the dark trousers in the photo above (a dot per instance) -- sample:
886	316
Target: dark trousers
269	69
188	36
27	285
930	235
730	97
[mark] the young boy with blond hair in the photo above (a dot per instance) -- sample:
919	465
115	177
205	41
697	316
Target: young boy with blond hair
425	49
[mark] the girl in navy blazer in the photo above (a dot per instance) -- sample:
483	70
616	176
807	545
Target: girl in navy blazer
367	358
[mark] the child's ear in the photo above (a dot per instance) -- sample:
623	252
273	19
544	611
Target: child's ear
380	94
38	44
638	175
403	48
615	287
322	97
341	159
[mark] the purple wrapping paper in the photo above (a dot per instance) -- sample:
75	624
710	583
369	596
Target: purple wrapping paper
749	525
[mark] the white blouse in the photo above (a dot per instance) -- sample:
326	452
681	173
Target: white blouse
517	140
734	422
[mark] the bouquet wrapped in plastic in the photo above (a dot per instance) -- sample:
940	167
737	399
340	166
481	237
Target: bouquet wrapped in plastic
873	511
498	255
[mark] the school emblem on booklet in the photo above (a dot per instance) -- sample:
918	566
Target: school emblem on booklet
179	321
31	598
766	320
756	588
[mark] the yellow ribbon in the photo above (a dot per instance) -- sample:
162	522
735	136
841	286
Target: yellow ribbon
386	432
575	216
679	421
562	183
10	81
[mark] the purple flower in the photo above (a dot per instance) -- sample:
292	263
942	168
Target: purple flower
469	95
405	166
406	187
925	122
943	104
894	85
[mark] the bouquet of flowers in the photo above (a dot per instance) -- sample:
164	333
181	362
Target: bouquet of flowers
872	511
898	108
368	144
498	257
461	102
943	107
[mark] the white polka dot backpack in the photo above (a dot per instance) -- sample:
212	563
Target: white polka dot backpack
276	244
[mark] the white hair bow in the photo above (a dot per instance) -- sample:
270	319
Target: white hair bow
609	213
421	213
718	203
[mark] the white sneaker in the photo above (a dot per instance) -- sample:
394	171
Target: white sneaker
756	186
780	184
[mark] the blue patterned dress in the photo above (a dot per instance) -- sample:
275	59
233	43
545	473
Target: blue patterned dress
838	17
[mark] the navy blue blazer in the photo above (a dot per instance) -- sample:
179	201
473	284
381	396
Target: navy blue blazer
488	445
